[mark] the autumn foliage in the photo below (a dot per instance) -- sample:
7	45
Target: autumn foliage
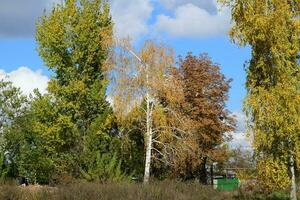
164	119
206	119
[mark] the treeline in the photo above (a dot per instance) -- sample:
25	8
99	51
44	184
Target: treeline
163	118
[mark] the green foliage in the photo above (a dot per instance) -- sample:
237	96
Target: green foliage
70	131
260	196
26	147
278	196
75	121
132	147
107	168
13	105
64	132
132	142
3	168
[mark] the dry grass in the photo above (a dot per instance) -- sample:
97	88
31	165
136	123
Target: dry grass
91	191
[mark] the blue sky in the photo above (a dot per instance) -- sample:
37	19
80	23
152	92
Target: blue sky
196	26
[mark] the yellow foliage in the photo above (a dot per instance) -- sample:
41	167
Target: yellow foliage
245	174
272	105
273	175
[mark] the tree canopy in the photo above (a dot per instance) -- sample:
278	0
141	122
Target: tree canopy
272	29
112	112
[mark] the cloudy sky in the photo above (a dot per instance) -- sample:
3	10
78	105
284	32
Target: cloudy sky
187	25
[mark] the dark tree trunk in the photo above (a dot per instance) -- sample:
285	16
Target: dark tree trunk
203	172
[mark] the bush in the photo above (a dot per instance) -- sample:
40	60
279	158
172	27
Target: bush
107	169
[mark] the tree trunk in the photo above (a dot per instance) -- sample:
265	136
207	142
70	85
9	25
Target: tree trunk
212	175
293	194
148	137
148	141
203	172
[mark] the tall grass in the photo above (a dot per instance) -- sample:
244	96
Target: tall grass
166	190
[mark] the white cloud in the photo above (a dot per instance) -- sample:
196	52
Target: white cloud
190	20
239	136
208	5
130	17
26	79
240	140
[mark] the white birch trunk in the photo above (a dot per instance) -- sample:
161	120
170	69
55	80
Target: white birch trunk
148	138
149	133
293	194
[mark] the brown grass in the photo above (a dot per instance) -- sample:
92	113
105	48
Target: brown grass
166	190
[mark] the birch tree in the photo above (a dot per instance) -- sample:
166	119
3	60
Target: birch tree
185	115
272	29
143	77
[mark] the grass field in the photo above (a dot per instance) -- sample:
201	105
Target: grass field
164	190
92	191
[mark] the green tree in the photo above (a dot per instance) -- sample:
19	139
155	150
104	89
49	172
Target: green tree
272	29
34	139
12	103
27	149
12	106
132	147
74	42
